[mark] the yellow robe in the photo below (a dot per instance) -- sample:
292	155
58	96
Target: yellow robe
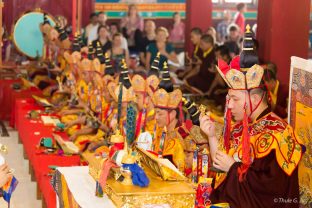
173	146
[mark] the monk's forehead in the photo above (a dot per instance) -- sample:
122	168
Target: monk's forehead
237	93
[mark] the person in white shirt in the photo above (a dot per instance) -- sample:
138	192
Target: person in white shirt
92	27
114	29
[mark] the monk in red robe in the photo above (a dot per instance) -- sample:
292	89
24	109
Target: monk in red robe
257	159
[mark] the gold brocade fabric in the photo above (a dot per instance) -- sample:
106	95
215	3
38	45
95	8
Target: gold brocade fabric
173	146
267	134
303	131
83	90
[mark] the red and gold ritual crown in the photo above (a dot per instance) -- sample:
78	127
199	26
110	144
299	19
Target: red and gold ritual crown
238	77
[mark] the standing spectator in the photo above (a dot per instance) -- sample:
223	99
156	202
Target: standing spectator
239	18
130	24
161	45
143	39
223	26
178	29
102	18
92	27
114	29
105	43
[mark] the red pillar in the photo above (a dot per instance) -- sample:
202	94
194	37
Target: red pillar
282	32
198	14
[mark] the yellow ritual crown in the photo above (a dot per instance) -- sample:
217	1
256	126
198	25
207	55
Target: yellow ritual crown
128	94
140	84
163	99
85	65
73	58
237	75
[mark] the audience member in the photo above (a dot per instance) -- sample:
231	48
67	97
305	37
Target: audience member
130	24
239	18
223	26
278	93
114	29
92	28
233	40
178	29
161	45
117	53
201	81
143	39
103	39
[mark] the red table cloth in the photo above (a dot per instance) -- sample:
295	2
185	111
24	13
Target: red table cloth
30	133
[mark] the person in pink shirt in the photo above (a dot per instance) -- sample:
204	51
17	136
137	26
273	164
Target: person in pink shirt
239	18
178	29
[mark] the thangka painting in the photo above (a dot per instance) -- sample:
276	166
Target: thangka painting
300	118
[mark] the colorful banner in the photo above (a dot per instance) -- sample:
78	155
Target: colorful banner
299	117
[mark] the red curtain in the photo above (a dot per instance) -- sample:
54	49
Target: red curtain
14	8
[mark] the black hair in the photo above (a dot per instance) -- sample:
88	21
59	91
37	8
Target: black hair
154	70
240	6
109	70
76	46
193	111
224	50
270	72
45	19
248	56
115	24
207	38
256	43
124	77
90	52
175	13
197	31
62	33
233	28
99	53
93	14
166	82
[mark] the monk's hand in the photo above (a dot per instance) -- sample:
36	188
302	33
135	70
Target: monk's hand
223	161
207	126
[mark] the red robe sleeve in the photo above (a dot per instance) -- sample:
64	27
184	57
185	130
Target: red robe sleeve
266	185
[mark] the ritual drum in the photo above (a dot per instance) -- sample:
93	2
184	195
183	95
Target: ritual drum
27	37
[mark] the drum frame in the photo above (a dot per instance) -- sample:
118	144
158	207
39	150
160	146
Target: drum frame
38	11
